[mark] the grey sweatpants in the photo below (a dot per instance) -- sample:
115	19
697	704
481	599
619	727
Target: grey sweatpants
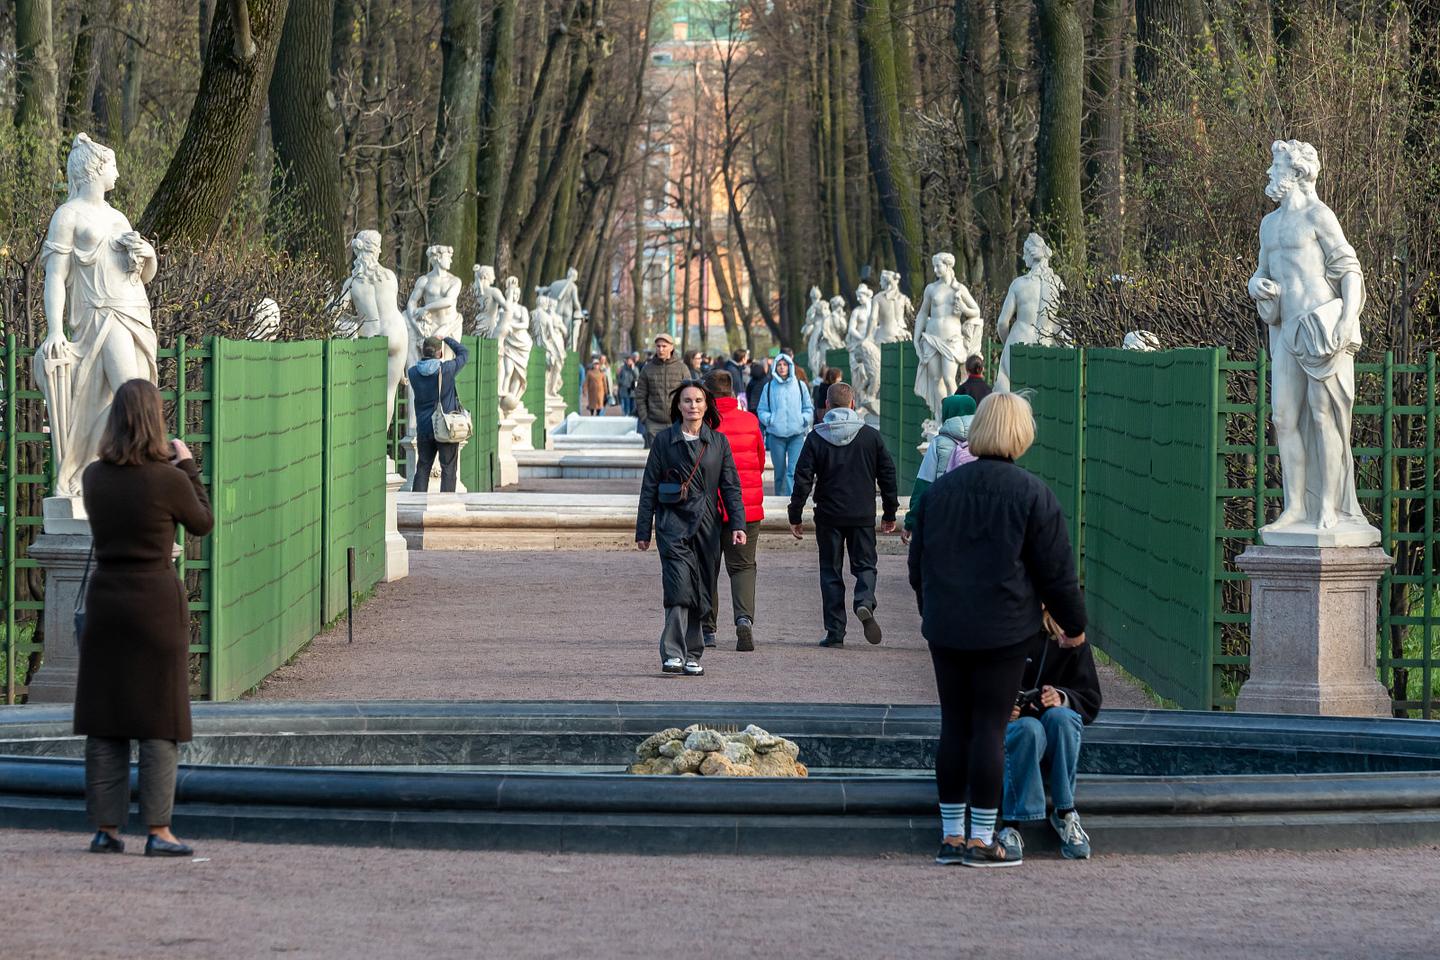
107	781
680	638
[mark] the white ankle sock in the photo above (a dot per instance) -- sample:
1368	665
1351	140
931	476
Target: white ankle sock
952	819
982	824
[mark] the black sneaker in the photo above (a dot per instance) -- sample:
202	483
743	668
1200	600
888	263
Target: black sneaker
950	854
693	669
673	665
991	854
744	635
709	640
102	842
867	620
831	642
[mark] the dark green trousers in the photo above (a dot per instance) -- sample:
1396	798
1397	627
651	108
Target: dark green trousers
740	565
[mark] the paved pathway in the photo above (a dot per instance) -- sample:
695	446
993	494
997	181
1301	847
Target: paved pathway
584	625
325	902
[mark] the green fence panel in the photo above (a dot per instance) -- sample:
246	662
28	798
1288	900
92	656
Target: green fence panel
840	359
354	491
570	383
902	413
1053	379
267	475
1149	491
535	396
477	386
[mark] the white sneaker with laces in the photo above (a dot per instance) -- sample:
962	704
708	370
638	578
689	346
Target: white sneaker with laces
1074	841
673	665
693	668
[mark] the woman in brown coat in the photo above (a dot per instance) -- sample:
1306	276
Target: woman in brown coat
597	384
134	681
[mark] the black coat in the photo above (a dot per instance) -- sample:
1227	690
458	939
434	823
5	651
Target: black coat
988	548
844	477
1071	671
687	535
975	388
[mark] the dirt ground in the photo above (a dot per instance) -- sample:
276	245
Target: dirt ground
585	625
251	900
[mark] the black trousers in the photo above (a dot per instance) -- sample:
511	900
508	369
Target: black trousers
107	781
834	543
977	691
426	450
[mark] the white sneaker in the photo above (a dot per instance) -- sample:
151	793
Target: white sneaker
693	669
1074	841
673	665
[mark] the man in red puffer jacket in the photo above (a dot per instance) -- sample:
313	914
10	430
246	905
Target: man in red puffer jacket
747	446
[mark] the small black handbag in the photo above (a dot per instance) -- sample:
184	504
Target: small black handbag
80	597
672	493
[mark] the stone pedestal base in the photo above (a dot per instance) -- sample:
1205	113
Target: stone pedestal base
397	553
1312	631
63	556
524	428
505	462
554	416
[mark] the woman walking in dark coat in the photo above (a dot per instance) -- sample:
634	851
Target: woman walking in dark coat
689	463
989	547
134	679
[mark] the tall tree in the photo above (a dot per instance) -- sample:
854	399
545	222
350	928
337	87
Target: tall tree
496	104
305	182
36	77
833	112
195	194
452	189
883	64
82	67
1104	134
1062	106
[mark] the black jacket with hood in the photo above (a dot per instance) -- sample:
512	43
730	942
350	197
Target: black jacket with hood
843	460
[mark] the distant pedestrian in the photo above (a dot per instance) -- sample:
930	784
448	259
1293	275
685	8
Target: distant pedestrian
695	361
958	411
134	676
747	446
689	463
428	379
625	383
974	386
989	547
785	413
820	391
843	461
754	384
655	387
595	382
738	366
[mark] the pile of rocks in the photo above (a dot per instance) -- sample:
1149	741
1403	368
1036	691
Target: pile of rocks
701	751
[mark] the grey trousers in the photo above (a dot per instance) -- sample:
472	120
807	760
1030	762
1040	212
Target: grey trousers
680	639
740	565
107	781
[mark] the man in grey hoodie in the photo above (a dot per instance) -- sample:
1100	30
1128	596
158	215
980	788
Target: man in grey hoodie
844	460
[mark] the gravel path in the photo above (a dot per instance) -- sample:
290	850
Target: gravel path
585	625
321	902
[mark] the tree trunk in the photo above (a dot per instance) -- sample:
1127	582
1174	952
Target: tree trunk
343	19
1105	130
305	181
1062	105
837	105
496	103
885	136
194	197
130	92
82	66
452	188
36	75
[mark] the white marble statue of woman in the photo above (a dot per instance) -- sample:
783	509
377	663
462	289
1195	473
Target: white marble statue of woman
1028	314
97	266
548	330
947	332
892	309
374	293
817	317
838	324
864	352
565	292
513	332
431	309
490	300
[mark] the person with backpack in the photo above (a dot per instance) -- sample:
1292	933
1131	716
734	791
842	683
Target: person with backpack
948	449
785	412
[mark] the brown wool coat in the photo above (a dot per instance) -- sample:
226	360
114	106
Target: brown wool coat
134	674
596	384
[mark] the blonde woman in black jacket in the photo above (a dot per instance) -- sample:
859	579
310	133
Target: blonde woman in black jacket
989	547
689	464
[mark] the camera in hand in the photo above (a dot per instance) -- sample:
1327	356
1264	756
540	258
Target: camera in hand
1027	698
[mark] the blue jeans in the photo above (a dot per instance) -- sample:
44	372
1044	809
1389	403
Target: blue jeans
627	406
1029	743
784	451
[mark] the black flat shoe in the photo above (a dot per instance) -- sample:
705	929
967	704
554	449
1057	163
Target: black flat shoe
831	642
155	847
102	842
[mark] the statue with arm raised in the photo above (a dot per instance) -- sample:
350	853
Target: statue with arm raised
431	309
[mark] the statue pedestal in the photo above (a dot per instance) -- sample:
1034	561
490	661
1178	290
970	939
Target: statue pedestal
1312	630
505	462
397	553
554	416
62	550
524	428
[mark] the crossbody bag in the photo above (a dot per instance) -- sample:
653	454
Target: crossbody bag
449	427
673	493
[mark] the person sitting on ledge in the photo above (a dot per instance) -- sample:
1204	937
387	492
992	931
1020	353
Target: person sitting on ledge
1059	696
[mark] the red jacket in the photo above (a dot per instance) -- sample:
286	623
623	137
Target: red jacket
747	446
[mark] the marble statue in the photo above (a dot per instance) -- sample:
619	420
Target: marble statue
1309	290
838	325
431	308
893	310
513	332
864	353
548	330
566	294
947	332
1028	314
817	318
490	300
1140	340
96	267
264	320
374	293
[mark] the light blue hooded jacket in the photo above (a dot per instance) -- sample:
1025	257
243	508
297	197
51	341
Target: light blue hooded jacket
785	408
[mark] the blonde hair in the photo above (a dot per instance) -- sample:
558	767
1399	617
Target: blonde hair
1004	426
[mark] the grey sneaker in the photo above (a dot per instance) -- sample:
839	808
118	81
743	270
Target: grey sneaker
709	640
1074	841
1009	838
951	854
989	855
